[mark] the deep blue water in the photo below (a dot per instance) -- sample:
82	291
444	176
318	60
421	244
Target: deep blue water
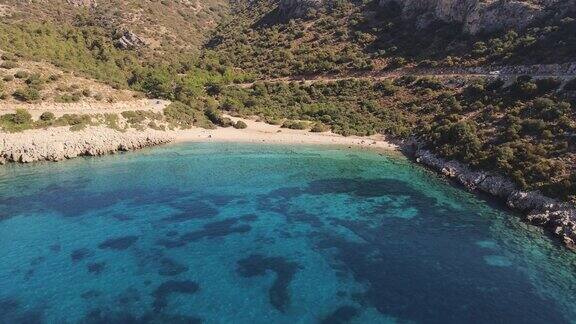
226	233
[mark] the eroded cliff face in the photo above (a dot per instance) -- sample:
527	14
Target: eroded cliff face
479	15
476	16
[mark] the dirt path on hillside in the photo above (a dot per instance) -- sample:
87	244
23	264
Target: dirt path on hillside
563	72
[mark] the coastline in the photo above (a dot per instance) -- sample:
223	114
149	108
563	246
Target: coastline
260	132
556	217
60	143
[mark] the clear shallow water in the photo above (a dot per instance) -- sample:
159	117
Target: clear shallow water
225	233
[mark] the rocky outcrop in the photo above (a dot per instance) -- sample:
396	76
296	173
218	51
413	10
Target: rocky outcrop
559	218
83	3
297	8
130	40
56	144
479	15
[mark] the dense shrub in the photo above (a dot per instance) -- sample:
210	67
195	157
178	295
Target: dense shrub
548	84
216	117
21	74
68	98
27	94
16	122
240	125
21	117
186	116
293	124
8	65
47	116
319	128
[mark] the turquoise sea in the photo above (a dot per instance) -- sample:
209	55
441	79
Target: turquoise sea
236	233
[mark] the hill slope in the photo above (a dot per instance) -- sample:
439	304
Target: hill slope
166	25
290	37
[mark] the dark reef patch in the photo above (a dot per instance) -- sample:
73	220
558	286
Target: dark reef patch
404	287
189	210
220	200
210	230
169	267
128	297
167	288
8	305
98	316
71	199
364	188
37	260
96	268
55	248
120	243
172	233
342	315
11	312
257	265
408	288
91	294
249	218
122	217
81	254
29	274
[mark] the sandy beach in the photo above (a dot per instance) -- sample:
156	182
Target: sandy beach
260	132
60	143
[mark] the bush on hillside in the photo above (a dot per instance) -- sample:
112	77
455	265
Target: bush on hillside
21	117
186	116
293	124
319	128
47	116
16	122
8	65
21	75
27	94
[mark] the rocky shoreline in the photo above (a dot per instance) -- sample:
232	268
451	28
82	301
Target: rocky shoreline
556	217
57	144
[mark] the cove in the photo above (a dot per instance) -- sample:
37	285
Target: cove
238	233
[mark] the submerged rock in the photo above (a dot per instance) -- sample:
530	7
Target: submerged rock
557	217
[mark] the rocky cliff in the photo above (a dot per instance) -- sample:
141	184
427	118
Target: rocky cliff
559	218
297	8
479	15
475	16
